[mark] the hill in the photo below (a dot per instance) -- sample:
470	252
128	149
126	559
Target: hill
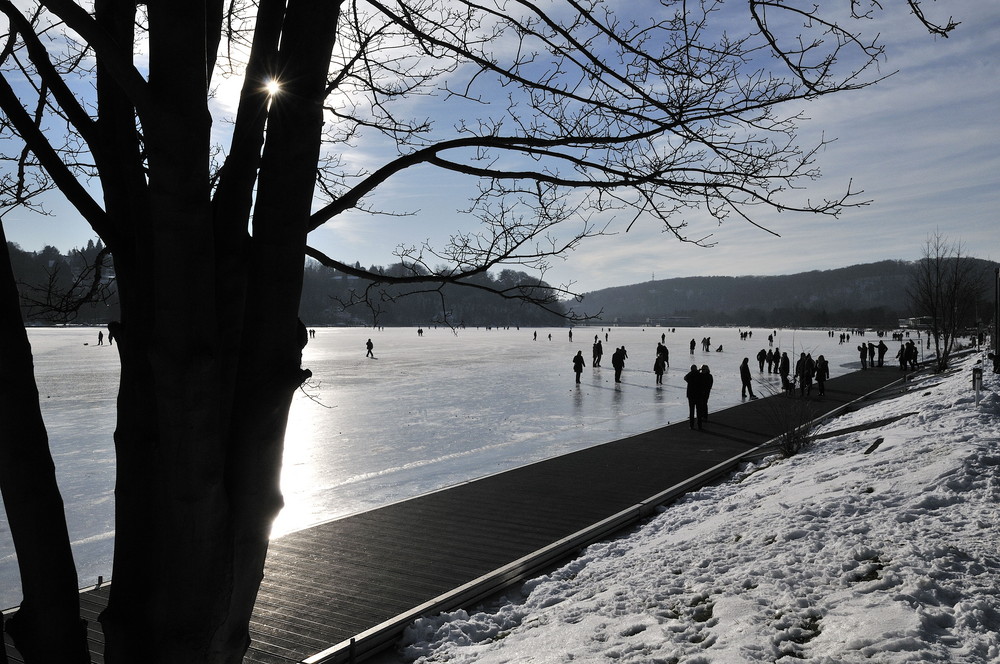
868	295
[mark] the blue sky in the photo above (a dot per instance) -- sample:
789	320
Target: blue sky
924	146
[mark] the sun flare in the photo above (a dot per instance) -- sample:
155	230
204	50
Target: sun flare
272	87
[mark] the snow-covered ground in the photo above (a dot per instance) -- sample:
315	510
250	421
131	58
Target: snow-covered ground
840	554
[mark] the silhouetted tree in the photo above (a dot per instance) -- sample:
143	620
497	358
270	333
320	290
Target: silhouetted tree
945	288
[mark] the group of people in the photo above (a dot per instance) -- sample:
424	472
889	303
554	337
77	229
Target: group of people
907	356
111	335
706	345
772	358
617	360
699	388
868	351
807	370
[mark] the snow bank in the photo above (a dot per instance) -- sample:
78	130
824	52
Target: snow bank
832	556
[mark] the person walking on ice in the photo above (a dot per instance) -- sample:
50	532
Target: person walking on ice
659	366
578	364
369	346
745	379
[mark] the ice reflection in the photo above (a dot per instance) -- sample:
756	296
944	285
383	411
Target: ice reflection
444	408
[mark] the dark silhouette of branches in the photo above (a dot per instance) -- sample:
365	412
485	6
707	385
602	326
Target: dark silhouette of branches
57	301
945	287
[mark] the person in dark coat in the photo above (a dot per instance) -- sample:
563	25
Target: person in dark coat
784	368
911	354
745	379
618	362
705	382
369	346
761	359
659	366
863	353
693	380
871	355
578	364
692	346
770	361
598	353
822	373
806	374
882	349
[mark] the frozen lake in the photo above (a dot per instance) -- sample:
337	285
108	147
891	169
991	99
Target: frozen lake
427	413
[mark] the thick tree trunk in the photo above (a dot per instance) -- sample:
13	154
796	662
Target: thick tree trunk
172	577
272	336
210	345
47	627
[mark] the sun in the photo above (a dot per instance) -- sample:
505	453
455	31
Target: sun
272	86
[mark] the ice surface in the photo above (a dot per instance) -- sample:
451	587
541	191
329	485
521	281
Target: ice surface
429	412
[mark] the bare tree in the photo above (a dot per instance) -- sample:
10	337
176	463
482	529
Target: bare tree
573	111
945	288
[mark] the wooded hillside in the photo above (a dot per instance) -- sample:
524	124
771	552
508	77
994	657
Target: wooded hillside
869	295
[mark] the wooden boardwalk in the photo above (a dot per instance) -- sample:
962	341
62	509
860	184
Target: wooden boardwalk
366	576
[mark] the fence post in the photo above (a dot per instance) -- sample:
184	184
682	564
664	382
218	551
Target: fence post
977	382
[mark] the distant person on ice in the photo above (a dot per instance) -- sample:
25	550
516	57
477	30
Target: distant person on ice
745	379
659	366
863	352
761	359
100	338
369	346
692	346
598	353
578	364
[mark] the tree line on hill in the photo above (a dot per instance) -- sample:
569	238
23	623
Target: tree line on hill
57	288
872	295
53	287
332	297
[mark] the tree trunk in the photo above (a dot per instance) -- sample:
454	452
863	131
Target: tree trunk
47	627
204	402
